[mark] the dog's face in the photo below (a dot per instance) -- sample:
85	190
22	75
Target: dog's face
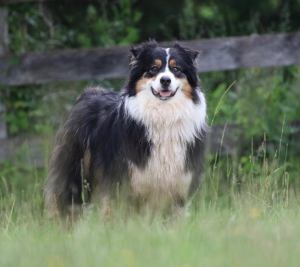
165	72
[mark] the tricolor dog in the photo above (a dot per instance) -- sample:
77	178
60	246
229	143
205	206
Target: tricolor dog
148	138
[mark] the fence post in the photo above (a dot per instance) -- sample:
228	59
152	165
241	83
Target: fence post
3	50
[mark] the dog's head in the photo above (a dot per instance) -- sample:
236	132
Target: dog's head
165	72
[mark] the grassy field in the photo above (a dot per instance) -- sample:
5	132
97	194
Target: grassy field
244	236
253	220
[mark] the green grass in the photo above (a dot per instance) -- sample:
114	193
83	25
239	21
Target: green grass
246	214
242	236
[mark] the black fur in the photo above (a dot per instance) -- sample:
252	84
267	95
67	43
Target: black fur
98	124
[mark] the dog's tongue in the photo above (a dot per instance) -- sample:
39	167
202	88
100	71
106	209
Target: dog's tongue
165	93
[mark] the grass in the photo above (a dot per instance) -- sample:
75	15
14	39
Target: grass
244	215
246	235
212	237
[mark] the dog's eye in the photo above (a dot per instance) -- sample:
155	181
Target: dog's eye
154	69
176	69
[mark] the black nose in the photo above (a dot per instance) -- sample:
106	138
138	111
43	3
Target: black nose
165	81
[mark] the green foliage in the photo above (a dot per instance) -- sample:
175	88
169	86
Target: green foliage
39	109
23	110
18	111
261	101
107	26
40	28
27	29
231	17
105	23
200	20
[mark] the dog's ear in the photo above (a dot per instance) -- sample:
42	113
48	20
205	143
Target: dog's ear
137	50
193	54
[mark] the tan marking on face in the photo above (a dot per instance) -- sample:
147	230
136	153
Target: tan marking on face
158	63
186	88
172	63
141	83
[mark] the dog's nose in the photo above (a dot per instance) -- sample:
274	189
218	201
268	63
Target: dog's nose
165	81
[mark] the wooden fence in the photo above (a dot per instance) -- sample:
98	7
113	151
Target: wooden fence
101	63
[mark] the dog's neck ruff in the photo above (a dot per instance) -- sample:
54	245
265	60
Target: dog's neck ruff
178	118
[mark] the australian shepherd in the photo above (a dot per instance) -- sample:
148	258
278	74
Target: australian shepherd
148	138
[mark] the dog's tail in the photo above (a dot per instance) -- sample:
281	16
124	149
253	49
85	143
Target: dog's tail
63	188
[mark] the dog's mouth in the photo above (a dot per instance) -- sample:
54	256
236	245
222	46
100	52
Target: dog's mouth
164	94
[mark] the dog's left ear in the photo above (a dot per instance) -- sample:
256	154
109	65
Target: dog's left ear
192	53
138	49
135	51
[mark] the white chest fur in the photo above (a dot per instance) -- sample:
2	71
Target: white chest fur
164	176
170	125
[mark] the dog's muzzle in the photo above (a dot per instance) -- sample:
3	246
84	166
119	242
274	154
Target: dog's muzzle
164	94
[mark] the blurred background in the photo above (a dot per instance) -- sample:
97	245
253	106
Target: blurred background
254	112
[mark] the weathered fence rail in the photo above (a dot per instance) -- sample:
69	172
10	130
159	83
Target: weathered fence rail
101	63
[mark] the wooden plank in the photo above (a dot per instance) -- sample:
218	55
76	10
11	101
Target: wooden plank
3	50
100	63
270	50
66	65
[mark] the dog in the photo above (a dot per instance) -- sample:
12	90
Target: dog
149	138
